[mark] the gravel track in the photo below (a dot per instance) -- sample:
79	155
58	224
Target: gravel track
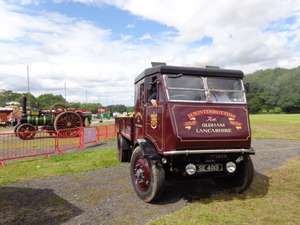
105	196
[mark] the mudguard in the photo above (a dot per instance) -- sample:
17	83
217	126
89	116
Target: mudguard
148	149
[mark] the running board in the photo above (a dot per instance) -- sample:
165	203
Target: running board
187	152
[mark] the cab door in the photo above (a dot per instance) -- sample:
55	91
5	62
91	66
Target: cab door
154	112
139	116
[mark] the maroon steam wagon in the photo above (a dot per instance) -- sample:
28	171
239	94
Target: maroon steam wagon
188	122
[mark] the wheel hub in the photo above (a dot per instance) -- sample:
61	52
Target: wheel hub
142	174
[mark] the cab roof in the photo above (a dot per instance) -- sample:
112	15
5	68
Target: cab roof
197	71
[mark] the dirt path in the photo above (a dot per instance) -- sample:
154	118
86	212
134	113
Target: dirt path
105	196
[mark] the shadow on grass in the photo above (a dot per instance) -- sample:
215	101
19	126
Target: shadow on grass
34	206
203	189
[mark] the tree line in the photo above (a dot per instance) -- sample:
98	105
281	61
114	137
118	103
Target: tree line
46	101
274	91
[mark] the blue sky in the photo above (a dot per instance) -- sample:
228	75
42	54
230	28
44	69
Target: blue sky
101	45
109	17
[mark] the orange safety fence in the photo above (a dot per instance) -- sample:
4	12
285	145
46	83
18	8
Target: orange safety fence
46	143
106	132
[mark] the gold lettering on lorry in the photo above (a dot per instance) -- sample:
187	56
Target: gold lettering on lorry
213	125
210	112
213	130
211	117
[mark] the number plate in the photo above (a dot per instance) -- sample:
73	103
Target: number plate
210	167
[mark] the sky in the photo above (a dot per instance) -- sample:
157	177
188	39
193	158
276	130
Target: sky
98	47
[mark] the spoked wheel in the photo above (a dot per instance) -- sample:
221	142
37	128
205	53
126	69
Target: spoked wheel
26	131
66	124
15	129
147	176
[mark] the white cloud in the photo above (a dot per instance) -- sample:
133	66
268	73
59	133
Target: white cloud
146	37
59	48
238	28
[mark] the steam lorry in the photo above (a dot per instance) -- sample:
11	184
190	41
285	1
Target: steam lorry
188	122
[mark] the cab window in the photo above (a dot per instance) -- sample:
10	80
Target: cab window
186	88
153	92
142	93
204	89
225	90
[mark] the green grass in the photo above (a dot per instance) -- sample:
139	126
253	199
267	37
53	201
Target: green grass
278	126
282	126
58	165
267	202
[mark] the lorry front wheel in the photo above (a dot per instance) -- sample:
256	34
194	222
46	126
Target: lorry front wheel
147	176
243	177
124	150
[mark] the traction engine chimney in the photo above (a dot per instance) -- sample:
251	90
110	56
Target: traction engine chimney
24	106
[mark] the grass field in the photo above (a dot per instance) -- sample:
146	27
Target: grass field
279	126
263	204
58	165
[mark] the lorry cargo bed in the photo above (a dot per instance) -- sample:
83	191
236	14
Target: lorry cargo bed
124	126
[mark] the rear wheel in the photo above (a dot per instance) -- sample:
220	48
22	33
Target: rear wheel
147	176
66	124
124	150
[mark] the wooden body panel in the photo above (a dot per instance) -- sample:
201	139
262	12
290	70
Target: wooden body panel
124	126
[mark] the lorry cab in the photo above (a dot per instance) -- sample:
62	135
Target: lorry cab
188	122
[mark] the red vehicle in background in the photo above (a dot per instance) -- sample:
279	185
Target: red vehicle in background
8	115
188	122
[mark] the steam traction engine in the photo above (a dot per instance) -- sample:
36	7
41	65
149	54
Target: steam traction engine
57	121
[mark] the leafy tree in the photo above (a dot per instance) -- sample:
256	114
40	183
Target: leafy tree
46	101
274	90
130	108
9	96
117	108
93	107
75	105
